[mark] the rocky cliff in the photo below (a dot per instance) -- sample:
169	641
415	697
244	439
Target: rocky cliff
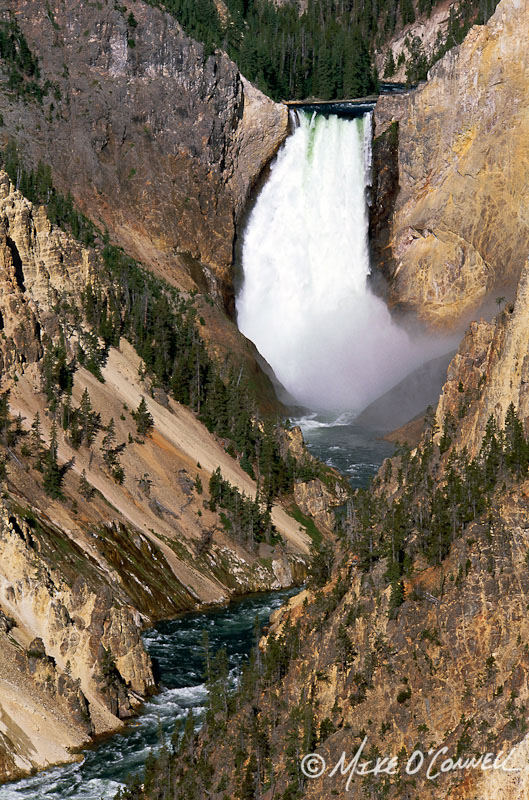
156	140
84	570
489	373
73	663
459	230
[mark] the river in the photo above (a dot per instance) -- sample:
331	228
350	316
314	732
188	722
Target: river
175	647
356	452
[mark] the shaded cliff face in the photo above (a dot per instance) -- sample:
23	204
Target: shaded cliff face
489	372
384	191
459	229
156	141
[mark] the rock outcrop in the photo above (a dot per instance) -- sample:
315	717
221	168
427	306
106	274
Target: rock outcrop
156	140
489	372
459	230
66	626
38	264
83	574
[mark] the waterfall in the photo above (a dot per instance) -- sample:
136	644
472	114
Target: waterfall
304	299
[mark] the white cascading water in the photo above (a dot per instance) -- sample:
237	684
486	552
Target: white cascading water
305	300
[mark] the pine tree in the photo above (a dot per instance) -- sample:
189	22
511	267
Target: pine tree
86	489
143	418
5	422
111	452
407	12
389	65
491	453
37	443
516	450
89	419
67	412
52	473
396	598
108	443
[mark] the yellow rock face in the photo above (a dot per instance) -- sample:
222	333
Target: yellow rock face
492	366
461	224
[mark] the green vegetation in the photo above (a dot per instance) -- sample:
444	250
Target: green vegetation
427	514
56	372
83	423
324	52
461	19
322	560
143	419
86	489
246	520
19	63
37	186
111	452
307	523
404	695
53	474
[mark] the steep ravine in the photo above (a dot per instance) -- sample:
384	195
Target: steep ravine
82	574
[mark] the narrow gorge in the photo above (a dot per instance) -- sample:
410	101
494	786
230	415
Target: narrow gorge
263	356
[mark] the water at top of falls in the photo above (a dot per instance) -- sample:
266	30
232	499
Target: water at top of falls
305	299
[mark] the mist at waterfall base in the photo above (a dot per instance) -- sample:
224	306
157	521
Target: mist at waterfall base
305	299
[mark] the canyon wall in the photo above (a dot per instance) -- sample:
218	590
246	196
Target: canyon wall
82	574
459	230
155	139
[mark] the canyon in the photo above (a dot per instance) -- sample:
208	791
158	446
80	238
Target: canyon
161	144
435	658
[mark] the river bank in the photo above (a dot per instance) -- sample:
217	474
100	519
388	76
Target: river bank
175	649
